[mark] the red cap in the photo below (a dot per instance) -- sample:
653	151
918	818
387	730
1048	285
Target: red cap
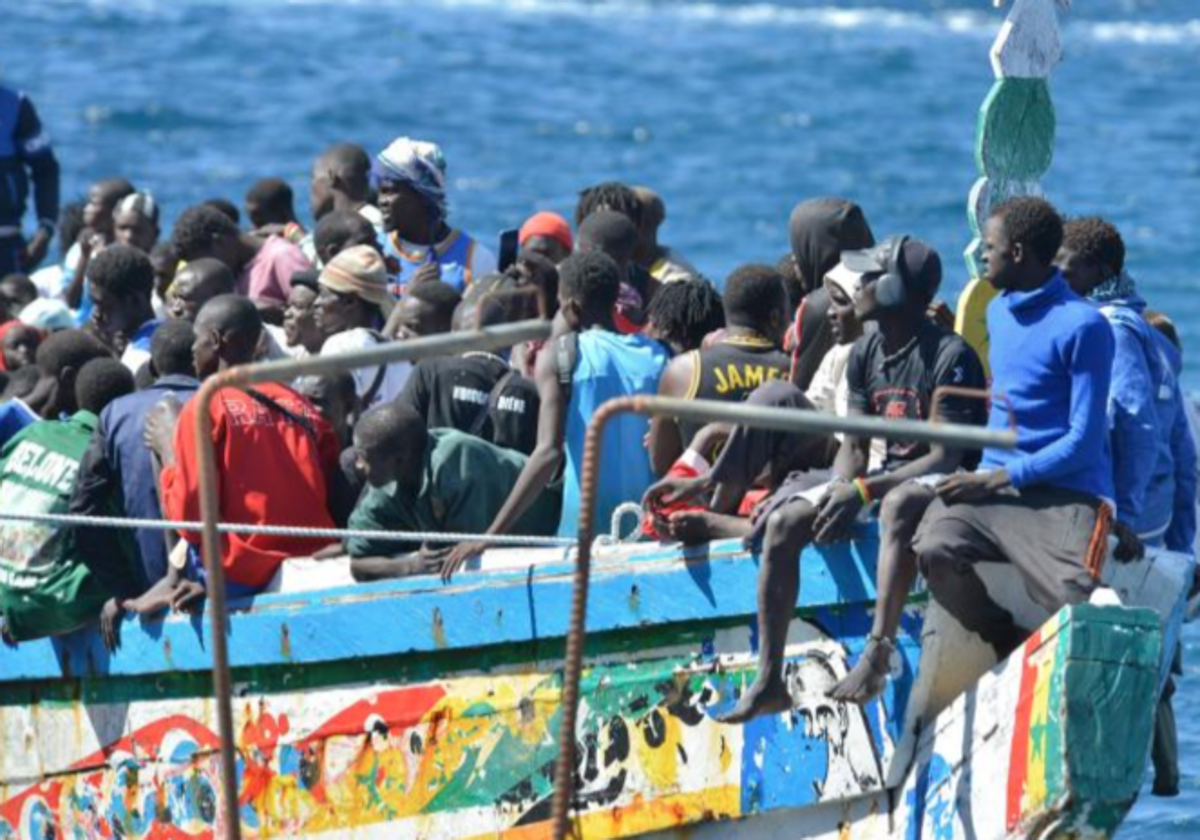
549	225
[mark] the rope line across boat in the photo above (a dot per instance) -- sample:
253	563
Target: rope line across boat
285	530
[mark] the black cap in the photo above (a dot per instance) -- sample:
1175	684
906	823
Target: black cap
307	278
922	267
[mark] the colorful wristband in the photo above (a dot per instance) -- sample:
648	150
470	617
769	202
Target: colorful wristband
863	492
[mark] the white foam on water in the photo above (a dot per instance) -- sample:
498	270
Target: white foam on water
982	23
1134	32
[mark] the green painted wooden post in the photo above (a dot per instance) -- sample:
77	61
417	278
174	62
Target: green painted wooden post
1014	137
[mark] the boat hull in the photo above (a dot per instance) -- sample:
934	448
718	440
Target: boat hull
415	710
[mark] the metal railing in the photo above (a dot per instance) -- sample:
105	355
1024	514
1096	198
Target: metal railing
491	338
705	411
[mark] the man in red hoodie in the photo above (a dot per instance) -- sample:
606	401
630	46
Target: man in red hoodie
276	456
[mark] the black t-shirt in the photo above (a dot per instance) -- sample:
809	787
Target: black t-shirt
450	392
902	385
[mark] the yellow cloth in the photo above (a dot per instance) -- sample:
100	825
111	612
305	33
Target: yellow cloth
970	318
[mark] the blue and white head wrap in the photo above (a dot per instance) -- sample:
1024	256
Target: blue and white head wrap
417	164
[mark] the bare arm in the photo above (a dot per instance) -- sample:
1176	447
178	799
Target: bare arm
666	443
539	469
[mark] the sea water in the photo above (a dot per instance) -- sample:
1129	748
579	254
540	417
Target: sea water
733	111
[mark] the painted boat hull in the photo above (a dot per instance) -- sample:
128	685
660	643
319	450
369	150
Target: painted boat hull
410	709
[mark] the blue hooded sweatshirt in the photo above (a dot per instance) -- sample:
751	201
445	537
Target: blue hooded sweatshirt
1141	446
1051	356
1172	491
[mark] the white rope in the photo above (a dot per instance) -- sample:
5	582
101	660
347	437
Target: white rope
284	530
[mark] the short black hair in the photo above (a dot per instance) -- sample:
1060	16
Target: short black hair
274	201
166	254
609	195
752	294
1097	241
233	315
610	232
440	295
101	381
685	311
337	227
122	271
114	189
340	382
1035	224
22	289
495	299
68	349
196	229
225	207
591	279
351	163
389	427
171	348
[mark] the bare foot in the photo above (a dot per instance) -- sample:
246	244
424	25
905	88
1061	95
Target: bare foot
766	697
695	527
868	677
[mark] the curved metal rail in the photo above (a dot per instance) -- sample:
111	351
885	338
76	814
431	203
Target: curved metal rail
491	338
705	411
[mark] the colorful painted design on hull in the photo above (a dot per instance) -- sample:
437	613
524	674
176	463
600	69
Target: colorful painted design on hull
1031	750
467	757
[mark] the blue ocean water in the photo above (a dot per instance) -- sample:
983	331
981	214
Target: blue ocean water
732	110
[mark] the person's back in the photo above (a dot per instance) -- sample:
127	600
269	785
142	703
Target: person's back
733	367
38	561
1170	498
478	393
123	460
609	365
1061	341
47	586
273	452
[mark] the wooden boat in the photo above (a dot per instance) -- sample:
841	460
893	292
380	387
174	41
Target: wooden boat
415	709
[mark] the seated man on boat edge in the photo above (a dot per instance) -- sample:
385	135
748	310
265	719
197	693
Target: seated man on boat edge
1046	507
892	373
576	374
431	481
747	355
278	458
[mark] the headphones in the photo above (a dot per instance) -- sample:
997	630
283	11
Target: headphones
891	288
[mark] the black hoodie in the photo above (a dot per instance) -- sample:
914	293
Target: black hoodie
820	229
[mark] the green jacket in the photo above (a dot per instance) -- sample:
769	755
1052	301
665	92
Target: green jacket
45	588
466	482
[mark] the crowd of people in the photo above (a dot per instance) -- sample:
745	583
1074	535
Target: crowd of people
103	351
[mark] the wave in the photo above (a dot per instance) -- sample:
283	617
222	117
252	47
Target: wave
963	22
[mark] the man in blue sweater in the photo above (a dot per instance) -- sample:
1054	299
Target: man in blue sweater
1045	507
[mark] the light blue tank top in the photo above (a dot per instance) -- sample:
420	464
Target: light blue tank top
609	365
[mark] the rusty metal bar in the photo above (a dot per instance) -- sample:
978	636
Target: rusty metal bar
701	411
286	369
